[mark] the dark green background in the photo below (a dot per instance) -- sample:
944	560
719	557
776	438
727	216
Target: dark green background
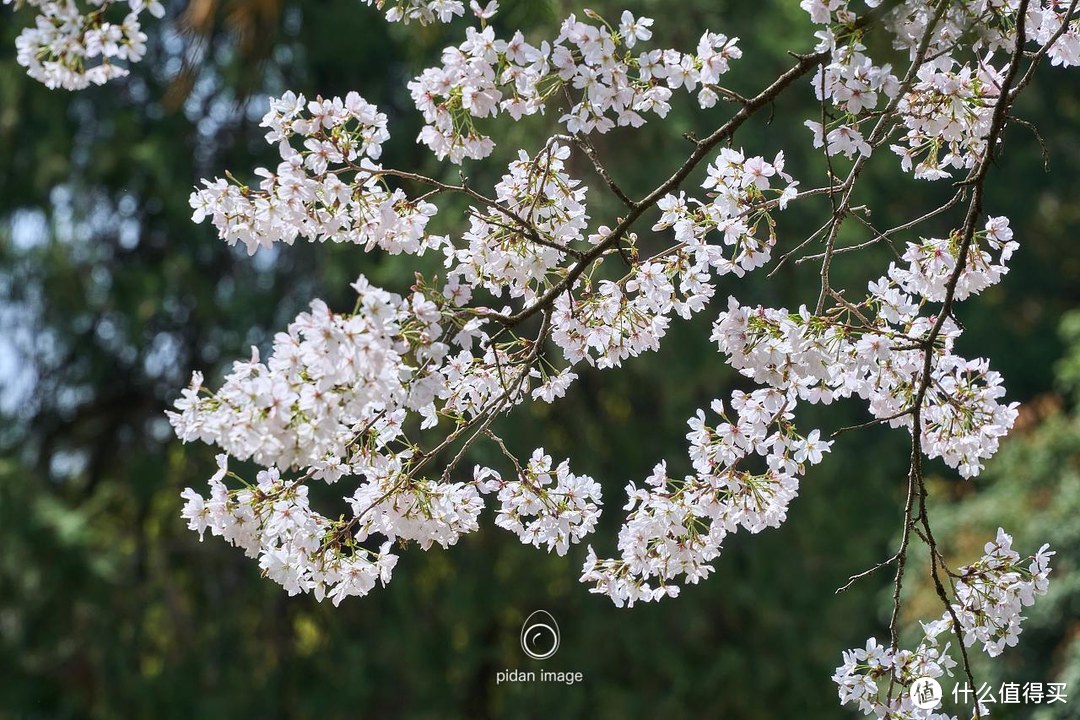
111	608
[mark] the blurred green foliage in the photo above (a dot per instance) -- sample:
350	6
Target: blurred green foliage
110	296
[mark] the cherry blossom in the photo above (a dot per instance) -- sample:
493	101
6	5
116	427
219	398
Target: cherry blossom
675	527
424	12
545	506
989	596
487	76
72	47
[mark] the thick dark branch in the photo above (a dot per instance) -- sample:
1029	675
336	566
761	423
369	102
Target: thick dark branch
527	228
1023	82
880	131
976	181
701	150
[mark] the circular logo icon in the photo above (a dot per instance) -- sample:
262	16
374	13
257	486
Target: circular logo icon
540	635
925	693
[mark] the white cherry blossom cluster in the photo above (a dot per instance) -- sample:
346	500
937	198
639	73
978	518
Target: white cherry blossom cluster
945	109
964	417
327	186
947	114
296	547
932	263
990	595
950	32
873	350
337	392
539	214
328	375
853	85
76	43
611	86
742	192
850	85
877	678
406	509
733	232
986	26
880	360
992	592
607	325
336	398
424	12
1043	23
304	551
746	472
544	506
